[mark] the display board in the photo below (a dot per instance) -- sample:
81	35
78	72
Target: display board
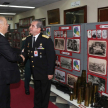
96	51
68	43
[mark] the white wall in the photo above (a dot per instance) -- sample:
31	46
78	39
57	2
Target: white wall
92	9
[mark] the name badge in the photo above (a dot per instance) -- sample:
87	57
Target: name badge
35	53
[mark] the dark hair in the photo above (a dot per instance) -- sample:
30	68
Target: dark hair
39	24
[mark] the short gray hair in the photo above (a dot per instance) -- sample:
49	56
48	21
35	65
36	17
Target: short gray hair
39	24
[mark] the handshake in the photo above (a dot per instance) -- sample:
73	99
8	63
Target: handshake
22	57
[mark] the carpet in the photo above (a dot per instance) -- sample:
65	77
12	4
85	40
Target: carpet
20	100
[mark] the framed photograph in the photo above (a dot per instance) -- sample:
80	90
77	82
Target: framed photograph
56	33
71	79
57	61
64	33
60	75
104	34
76	30
48	31
97	65
97	48
53	16
76	64
66	63
93	33
101	81
73	45
59	43
99	32
89	33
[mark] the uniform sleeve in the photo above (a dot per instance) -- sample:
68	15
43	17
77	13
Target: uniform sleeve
50	52
7	52
25	54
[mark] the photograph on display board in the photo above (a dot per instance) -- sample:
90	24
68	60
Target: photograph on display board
57	61
99	32
60	75
59	44
97	80
48	31
73	45
76	31
97	66
89	33
57	33
76	64
97	48
66	63
104	34
93	33
71	79
63	33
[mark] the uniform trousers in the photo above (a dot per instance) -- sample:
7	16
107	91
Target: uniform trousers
41	93
27	77
5	96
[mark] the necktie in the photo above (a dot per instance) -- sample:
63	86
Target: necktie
33	41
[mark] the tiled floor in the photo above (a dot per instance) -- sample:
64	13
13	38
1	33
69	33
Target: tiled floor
58	101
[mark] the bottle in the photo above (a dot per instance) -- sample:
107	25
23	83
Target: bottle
79	95
95	89
86	103
75	90
71	95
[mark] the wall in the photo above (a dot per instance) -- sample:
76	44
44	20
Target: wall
9	21
92	6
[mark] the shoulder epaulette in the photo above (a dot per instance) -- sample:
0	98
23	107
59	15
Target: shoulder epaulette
25	38
45	36
28	35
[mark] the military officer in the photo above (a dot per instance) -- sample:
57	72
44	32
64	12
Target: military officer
40	50
27	69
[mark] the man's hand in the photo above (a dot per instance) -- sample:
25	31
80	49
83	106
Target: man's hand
23	57
50	77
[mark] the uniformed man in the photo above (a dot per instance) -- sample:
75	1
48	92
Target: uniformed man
27	69
40	50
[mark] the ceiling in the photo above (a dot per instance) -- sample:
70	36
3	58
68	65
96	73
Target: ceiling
34	3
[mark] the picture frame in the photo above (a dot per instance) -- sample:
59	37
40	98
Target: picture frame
60	75
76	30
57	61
59	43
97	66
76	64
104	34
53	16
97	48
63	33
73	45
89	33
102	81
93	34
57	33
99	34
71	79
66	63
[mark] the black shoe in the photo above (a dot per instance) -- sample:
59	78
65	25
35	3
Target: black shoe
27	92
